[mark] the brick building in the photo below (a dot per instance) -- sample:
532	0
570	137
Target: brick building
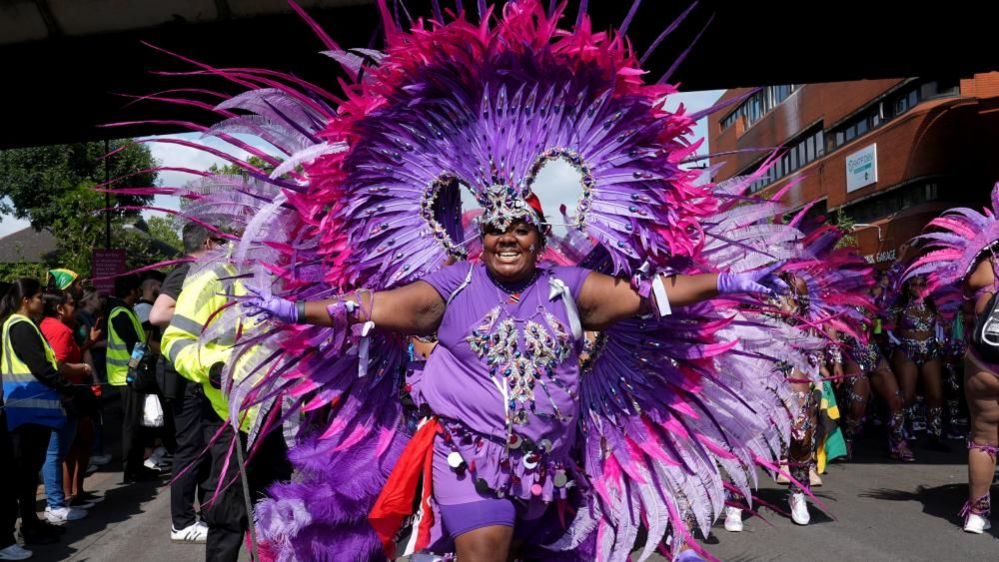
889	154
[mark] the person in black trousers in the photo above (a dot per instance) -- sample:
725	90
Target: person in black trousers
28	419
190	461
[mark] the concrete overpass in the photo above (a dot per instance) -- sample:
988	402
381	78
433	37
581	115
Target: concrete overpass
63	61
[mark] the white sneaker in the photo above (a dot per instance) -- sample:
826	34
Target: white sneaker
799	509
156	465
196	533
60	515
733	519
15	552
976	524
100	460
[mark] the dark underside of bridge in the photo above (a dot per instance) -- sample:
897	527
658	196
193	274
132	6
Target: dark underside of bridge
58	89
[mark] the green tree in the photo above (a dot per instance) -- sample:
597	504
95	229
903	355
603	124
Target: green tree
847	225
36	180
11	271
164	230
234	170
54	188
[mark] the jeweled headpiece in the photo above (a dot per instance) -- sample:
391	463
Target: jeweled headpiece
503	205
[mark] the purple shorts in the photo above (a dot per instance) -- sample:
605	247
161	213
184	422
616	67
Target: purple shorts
465	517
464	509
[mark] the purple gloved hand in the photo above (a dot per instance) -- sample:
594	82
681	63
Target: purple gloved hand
272	307
757	282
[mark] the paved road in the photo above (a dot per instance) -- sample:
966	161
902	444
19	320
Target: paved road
877	511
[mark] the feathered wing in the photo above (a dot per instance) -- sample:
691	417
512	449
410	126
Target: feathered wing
677	409
839	282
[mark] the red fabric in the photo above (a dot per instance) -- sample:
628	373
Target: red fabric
60	337
535	203
395	502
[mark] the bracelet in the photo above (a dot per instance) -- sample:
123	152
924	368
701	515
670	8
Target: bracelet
360	304
300	309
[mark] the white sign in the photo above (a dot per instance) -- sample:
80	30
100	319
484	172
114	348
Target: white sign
862	168
881	257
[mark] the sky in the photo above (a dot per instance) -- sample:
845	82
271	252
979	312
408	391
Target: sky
563	179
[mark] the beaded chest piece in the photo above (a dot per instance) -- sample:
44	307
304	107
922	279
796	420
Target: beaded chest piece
521	355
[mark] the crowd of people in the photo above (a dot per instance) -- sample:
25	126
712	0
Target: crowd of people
67	349
904	380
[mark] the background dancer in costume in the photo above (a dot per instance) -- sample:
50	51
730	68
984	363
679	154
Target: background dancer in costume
916	356
800	451
866	368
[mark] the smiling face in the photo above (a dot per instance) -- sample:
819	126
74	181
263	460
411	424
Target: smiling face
511	255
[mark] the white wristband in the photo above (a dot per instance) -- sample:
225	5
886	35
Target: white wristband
662	299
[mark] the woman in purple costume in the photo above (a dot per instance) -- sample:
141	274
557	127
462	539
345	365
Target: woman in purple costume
503	383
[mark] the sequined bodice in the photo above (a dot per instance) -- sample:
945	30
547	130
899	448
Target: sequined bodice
916	317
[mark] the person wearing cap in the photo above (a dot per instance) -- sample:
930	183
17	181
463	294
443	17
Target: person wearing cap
62	279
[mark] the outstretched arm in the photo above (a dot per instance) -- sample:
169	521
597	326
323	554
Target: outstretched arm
604	300
414	309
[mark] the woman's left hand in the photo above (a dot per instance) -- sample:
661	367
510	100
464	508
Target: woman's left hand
756	282
273	307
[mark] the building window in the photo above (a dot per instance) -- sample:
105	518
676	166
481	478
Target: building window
801	151
881	205
901	106
895	104
757	106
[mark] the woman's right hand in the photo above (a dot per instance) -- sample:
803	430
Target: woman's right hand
272	307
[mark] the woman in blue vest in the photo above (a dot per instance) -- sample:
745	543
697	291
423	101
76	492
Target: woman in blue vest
34	397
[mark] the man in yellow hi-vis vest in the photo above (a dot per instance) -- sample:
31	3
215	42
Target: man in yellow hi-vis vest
184	398
205	293
124	334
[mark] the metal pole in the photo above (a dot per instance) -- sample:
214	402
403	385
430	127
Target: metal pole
107	195
255	550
